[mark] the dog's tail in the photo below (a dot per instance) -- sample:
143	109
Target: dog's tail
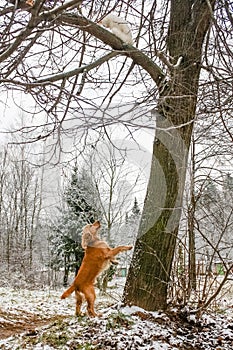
67	292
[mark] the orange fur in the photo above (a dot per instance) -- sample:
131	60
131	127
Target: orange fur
96	259
90	238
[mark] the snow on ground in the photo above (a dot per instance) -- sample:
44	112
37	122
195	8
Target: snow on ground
39	320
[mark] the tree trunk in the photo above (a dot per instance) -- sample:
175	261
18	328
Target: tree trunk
149	273
192	284
66	269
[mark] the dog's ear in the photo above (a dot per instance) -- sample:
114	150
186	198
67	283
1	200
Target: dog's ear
96	223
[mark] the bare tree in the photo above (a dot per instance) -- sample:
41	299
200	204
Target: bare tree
21	205
203	261
115	180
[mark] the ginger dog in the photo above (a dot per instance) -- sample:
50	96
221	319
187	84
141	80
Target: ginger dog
96	259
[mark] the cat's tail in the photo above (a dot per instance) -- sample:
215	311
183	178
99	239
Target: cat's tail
126	36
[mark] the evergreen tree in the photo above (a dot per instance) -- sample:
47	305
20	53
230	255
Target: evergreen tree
228	184
126	218
130	227
135	209
78	197
210	194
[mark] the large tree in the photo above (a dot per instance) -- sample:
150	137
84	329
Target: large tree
67	62
149	274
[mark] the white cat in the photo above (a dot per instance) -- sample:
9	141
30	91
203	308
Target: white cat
119	27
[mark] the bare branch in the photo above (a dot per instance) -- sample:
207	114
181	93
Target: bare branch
86	68
108	38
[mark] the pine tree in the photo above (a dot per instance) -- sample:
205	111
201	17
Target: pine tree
78	197
78	192
228	183
135	209
210	194
130	227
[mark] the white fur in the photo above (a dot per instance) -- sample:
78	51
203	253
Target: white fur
119	27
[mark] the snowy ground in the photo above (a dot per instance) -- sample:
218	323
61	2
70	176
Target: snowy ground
39	320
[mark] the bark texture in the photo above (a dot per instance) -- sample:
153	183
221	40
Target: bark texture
149	273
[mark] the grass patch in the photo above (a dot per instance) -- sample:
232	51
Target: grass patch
118	320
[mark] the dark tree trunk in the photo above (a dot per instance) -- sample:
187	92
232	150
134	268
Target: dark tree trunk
66	269
149	273
192	285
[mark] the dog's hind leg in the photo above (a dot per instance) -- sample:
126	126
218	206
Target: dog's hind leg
79	301
89	293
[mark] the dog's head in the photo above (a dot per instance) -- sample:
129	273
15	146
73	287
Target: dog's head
95	227
92	228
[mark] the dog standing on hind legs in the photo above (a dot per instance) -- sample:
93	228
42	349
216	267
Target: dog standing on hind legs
97	258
